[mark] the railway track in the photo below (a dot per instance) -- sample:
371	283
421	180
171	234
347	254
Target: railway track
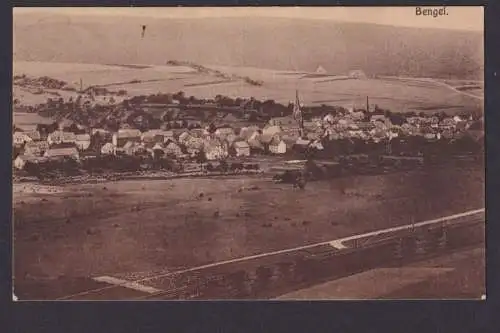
268	274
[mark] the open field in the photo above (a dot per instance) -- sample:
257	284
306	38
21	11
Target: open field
394	94
133	227
459	275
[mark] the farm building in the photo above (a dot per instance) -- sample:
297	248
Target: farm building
35	148
65	123
59	137
21	161
241	148
356	74
62	152
320	70
82	141
123	136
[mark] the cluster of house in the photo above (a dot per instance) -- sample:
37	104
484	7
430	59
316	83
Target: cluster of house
58	144
379	127
279	136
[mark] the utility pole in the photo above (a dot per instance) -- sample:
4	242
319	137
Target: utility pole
367	105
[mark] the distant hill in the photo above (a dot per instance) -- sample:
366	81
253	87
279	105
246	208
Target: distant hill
282	44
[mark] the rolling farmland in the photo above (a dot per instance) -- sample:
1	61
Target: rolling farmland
395	94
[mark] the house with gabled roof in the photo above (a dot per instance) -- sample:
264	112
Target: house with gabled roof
241	148
285	121
172	149
33	135
19	138
255	141
133	148
108	149
215	150
320	70
156	135
21	161
224	131
62	153
247	132
82	141
277	146
35	148
123	136
59	137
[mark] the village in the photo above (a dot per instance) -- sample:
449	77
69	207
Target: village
331	134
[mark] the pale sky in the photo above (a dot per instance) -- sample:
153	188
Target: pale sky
458	18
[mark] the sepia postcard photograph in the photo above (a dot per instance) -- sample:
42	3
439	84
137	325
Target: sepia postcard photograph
248	153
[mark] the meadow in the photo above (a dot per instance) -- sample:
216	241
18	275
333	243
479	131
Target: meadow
133	226
396	94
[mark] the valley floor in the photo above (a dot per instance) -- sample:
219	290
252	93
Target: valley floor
136	227
460	275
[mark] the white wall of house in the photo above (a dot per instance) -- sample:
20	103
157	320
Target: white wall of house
108	149
216	153
279	148
20	138
242	151
19	163
83	145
